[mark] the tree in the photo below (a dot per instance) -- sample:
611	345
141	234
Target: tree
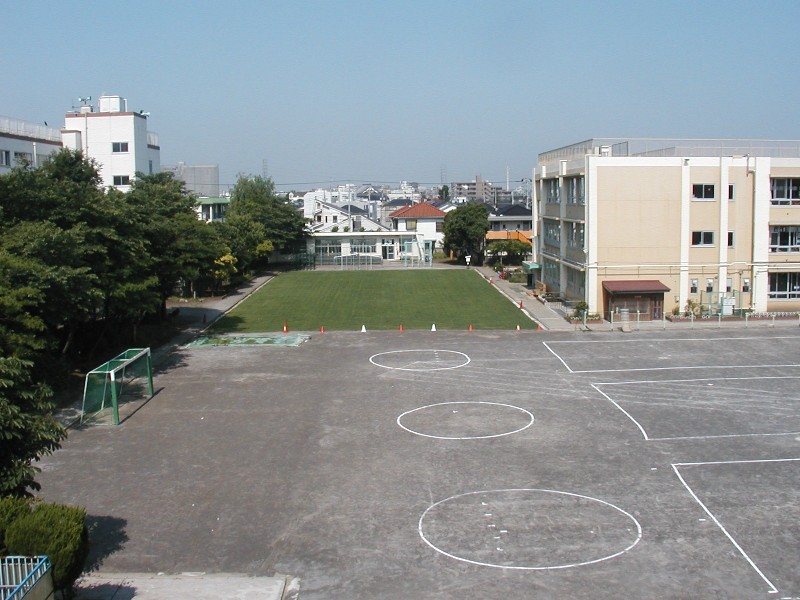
254	197
513	250
180	247
27	431
444	193
72	243
465	231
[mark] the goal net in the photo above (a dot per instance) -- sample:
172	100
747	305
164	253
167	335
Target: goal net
129	374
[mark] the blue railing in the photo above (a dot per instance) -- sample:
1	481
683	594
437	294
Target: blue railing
19	574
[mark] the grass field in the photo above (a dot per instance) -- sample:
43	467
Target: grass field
382	300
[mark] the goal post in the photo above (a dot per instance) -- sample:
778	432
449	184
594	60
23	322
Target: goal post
128	372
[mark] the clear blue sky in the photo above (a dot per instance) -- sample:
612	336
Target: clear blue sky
386	91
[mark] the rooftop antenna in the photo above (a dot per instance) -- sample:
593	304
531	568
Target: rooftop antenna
85	100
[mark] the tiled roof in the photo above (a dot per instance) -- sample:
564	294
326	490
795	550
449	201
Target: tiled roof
423	210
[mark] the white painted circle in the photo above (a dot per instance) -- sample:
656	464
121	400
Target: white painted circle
470	419
420	360
528	529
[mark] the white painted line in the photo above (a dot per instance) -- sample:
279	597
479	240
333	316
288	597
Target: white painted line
634	381
525	567
659	341
466	360
473	437
704	379
772	588
735	462
709	367
563	362
624	412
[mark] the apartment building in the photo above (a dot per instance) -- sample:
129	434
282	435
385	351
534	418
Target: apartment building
23	141
656	225
114	137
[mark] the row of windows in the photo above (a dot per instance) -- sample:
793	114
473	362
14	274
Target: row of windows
783	238
785	190
707	191
706	238
784	286
6	158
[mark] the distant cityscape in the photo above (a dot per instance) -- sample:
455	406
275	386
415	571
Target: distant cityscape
653	226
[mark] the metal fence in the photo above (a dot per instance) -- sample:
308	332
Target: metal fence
27	577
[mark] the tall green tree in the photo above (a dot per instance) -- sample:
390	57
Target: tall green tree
27	431
58	217
465	231
444	193
253	200
181	247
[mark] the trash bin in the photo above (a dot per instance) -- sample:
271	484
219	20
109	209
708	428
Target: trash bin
625	319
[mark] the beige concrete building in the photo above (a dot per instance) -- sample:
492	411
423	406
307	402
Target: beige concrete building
656	225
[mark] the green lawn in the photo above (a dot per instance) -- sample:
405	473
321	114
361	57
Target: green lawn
346	300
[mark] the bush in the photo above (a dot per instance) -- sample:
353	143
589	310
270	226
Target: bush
580	308
11	508
55	530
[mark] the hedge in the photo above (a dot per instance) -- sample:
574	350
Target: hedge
57	531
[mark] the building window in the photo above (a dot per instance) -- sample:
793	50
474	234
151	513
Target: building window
784	286
703	191
5	158
693	289
731	194
784	238
363	247
553	194
122	180
119	146
439	226
785	191
702	238
328	248
411	224
730	239
23	157
575	190
335	218
729	285
709	286
745	285
552	232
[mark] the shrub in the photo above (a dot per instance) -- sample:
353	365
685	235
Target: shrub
11	508
580	308
55	530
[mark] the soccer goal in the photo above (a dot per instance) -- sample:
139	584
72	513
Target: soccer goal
128	374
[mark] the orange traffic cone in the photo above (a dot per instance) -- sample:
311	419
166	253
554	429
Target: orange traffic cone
285	327
518	328
539	327
520	304
470	326
322	329
401	327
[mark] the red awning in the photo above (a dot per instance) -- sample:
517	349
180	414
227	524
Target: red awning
635	286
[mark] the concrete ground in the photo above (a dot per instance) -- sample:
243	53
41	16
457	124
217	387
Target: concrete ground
445	465
567	464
